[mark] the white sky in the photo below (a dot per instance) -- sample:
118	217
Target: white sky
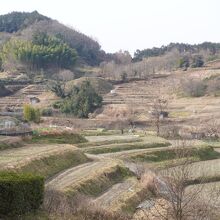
131	24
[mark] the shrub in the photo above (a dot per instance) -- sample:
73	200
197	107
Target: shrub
82	101
197	61
31	114
184	62
20	193
47	112
57	104
194	87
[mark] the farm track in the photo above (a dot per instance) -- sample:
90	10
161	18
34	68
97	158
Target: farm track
70	179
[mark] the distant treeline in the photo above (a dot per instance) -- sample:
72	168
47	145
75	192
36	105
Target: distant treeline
212	48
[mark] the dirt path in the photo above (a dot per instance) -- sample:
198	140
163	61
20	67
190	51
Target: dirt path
73	177
112	138
19	156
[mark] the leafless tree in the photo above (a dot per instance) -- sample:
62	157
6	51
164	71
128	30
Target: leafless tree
175	199
159	111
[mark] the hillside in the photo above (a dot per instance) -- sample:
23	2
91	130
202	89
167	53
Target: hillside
23	26
209	49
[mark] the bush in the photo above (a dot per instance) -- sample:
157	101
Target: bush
197	61
82	101
31	114
194	88
20	193
47	112
184	62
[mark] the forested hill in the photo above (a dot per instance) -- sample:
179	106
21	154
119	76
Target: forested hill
23	26
209	48
16	21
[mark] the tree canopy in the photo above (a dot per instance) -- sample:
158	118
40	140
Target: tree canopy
44	51
212	48
82	101
15	21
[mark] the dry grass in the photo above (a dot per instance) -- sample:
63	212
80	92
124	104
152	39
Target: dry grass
112	138
14	158
90	178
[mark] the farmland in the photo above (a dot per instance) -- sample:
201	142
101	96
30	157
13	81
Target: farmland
106	136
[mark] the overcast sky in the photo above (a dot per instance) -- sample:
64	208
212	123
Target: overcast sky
131	24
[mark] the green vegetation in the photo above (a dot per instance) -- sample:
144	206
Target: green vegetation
100	85
57	138
101	143
27	24
31	114
124	147
201	153
20	193
82	101
52	164
5	145
47	112
100	132
43	52
212	48
184	62
197	61
15	21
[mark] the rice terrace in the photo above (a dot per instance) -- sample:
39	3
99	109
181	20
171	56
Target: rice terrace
90	135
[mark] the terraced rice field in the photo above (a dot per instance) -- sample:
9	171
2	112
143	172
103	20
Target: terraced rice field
76	179
20	156
105	177
208	192
119	195
20	98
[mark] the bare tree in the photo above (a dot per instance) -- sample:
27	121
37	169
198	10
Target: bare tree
175	199
159	112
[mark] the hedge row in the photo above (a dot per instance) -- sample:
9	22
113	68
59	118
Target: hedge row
20	193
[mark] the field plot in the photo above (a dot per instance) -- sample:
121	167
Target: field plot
206	169
112	138
44	160
90	178
120	196
209	192
203	170
120	145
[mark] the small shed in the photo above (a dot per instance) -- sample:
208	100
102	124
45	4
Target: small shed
34	100
163	114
